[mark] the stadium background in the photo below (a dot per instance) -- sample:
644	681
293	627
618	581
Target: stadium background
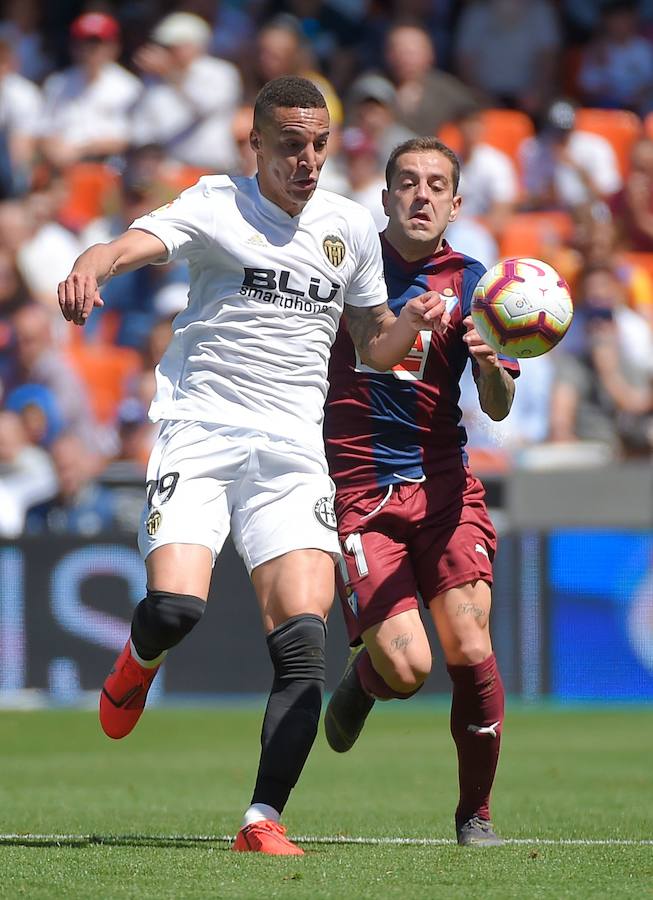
573	617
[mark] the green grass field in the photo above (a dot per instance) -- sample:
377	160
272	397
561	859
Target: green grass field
145	817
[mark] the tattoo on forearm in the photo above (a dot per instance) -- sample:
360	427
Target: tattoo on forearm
401	641
364	324
470	609
496	391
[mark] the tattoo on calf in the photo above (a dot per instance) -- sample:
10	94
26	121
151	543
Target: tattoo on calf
470	609
401	641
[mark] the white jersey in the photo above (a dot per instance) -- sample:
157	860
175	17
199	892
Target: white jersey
80	110
266	294
193	124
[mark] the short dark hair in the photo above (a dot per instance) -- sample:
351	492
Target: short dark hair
286	92
423	145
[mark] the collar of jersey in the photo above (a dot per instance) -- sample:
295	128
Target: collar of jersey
432	260
270	208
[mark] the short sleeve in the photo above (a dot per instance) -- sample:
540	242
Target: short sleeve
605	168
184	224
23	108
503	180
367	286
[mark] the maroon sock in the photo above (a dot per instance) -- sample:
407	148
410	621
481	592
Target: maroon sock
477	704
372	682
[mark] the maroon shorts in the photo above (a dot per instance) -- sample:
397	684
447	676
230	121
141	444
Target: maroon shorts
409	540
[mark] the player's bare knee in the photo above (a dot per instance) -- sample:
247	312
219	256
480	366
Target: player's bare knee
474	650
405	676
420	669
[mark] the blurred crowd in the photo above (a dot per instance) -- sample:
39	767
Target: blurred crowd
109	109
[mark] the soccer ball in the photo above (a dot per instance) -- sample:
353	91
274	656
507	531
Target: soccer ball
521	307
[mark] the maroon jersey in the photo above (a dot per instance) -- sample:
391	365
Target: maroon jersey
383	428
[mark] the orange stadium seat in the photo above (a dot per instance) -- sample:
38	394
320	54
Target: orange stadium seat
104	370
450	135
184	177
529	233
640	281
640	259
504	129
619	126
91	187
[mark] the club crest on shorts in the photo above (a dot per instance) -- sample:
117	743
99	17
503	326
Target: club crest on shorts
352	600
334	249
325	513
153	522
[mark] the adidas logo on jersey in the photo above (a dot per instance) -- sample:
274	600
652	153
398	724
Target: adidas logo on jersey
257	240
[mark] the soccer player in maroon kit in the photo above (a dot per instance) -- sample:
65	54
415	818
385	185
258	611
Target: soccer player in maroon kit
412	517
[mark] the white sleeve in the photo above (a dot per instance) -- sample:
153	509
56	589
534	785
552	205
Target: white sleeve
367	286
503	183
145	124
24	109
595	155
12	517
605	170
52	90
185	224
227	87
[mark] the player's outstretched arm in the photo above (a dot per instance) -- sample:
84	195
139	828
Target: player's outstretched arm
78	294
496	387
383	339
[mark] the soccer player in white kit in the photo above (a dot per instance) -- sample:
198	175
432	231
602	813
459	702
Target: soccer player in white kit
240	392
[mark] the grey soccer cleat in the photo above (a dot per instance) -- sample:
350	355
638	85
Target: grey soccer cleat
347	709
477	832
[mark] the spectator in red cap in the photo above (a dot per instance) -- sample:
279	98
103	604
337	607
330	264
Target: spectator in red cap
95	25
87	106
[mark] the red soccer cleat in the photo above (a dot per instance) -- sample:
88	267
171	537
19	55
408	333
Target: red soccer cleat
124	694
265	836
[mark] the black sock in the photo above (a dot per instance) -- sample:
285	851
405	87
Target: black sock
293	710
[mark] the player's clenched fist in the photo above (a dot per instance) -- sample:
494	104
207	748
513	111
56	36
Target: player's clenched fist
78	295
427	312
484	355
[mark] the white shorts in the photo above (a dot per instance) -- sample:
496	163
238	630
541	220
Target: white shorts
205	481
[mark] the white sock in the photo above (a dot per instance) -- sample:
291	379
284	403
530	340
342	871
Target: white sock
147	663
260	811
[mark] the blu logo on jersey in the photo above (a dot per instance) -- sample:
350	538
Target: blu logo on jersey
258	281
